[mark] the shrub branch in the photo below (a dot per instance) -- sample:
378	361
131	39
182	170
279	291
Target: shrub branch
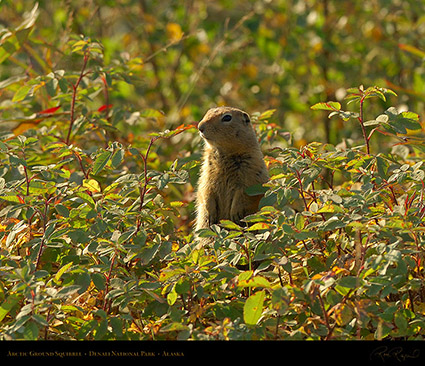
74	96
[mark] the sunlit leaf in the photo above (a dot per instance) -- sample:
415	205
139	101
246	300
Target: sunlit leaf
412	49
92	185
328	106
101	161
22	92
253	308
256	281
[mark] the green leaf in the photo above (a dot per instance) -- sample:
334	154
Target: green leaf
101	330
11	197
256	190
117	326
68	291
182	286
172	297
8	305
401	122
227	224
101	162
410	120
259	226
148	254
99	281
11	80
299	221
343	314
82	280
87	198
39	187
349	282
328	106
344	115
245	276
12	43
256	281
382	166
62	210
412	50
400	321
253	308
117	158
202	233
174	327
79	236
62	270
266	115
21	93
31	331
333	223
151	113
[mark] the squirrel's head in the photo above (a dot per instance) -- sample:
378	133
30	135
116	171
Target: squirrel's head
228	129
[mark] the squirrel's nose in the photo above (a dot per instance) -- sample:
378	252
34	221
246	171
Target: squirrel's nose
201	127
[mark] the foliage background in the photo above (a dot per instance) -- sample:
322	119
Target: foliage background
97	200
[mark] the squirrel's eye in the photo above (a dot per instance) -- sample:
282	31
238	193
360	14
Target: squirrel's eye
226	118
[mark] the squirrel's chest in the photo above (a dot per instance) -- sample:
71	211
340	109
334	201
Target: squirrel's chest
230	171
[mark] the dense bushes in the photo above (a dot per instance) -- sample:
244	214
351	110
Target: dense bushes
96	239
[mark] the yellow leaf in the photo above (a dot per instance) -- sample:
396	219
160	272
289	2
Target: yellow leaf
174	31
338	270
259	226
134	328
317	276
92	185
330	208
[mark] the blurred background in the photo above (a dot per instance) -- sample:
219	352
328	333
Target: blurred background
182	57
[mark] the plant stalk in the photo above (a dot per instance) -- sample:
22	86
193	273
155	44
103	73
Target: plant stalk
360	119
144	188
74	97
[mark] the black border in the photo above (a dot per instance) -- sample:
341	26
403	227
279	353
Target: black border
275	352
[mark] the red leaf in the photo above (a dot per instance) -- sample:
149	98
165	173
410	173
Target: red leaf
50	110
105	106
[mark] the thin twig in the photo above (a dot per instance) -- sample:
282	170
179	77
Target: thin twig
143	189
301	189
360	119
44	217
108	278
74	96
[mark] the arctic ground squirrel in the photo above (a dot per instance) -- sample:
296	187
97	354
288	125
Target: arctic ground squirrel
232	161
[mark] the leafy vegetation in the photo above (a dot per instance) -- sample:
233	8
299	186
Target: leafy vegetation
100	158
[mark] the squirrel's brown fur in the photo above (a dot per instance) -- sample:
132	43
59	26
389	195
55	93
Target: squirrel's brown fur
232	161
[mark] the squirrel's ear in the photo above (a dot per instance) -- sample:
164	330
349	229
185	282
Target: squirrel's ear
246	118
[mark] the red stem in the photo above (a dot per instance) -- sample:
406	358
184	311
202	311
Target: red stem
144	189
366	139
74	96
301	189
108	278
44	216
